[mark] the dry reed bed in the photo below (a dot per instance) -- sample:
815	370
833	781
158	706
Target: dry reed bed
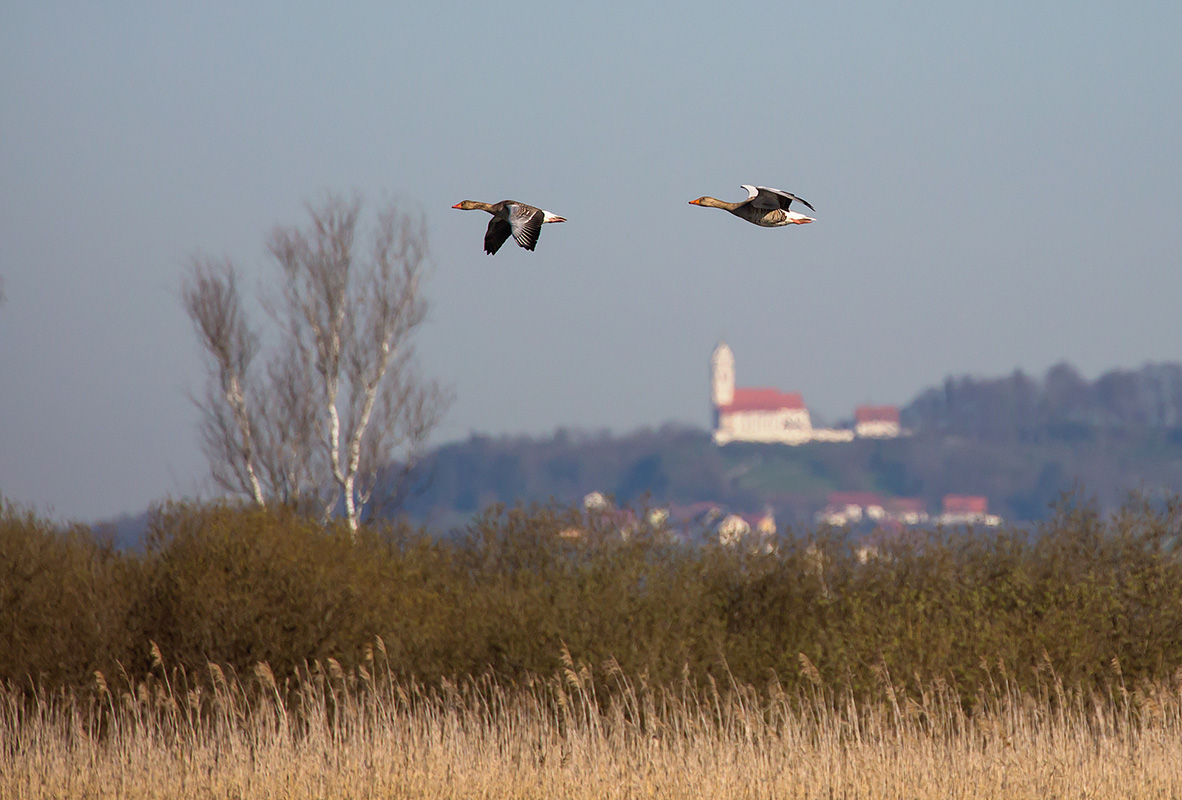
330	733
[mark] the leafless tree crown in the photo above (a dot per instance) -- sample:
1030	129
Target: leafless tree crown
338	398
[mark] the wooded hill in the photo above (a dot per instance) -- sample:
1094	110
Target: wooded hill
1017	440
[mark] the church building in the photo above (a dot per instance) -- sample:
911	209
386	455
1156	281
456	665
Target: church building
760	414
769	415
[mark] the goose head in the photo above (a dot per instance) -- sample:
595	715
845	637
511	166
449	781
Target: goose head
713	202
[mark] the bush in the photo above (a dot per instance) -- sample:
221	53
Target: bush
65	601
1081	594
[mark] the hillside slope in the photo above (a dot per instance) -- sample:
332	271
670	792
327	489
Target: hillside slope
1019	441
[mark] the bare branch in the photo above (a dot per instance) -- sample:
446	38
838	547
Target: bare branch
289	433
210	295
341	398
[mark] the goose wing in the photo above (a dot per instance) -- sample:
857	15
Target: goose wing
526	224
767	198
498	231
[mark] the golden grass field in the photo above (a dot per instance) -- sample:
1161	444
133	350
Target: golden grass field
330	733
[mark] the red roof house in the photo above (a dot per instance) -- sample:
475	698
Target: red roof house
908	510
967	509
876	422
846	507
877	414
965	504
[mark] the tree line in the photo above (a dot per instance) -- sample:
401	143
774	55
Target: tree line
1062	405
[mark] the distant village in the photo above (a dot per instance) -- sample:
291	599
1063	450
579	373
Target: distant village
774	417
729	528
770	416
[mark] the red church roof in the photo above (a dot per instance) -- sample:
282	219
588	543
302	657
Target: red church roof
763	400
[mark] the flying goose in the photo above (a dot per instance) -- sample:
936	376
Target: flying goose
510	217
763	206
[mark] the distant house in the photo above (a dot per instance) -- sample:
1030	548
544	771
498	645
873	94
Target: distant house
876	422
600	511
850	508
963	509
764	524
750	529
596	501
906	510
731	530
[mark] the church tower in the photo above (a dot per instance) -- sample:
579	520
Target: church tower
722	376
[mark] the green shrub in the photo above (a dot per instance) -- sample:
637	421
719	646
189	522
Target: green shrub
243	585
521	587
65	601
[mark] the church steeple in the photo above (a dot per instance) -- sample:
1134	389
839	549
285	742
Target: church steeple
722	376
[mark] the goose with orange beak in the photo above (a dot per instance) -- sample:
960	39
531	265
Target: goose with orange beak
510	218
765	207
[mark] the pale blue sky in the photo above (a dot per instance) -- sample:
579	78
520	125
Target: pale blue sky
996	186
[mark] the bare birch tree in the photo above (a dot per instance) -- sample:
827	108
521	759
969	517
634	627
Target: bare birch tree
211	298
339	397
